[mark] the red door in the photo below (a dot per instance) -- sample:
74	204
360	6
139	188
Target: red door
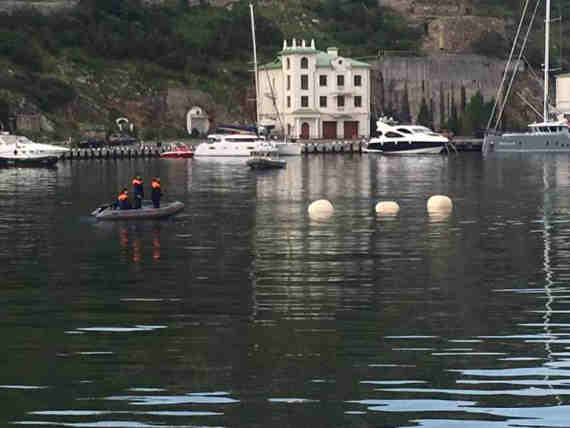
329	130
350	130
305	131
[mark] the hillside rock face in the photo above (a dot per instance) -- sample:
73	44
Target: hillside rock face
448	25
439	79
457	34
446	75
424	9
41	6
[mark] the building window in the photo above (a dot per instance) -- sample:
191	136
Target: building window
358	80
288	62
304	63
357	101
323	80
323	101
340	101
288	101
288	82
304	81
340	80
304	101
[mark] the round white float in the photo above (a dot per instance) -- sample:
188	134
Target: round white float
439	204
387	208
321	209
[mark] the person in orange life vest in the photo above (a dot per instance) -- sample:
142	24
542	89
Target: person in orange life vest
138	191
123	200
156	192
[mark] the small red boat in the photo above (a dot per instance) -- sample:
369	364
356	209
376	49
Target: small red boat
178	151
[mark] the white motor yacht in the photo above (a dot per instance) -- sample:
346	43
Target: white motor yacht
233	145
20	150
405	139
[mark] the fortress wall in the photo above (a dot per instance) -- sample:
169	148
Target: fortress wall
437	78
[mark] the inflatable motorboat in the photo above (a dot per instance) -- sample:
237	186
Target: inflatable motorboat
147	211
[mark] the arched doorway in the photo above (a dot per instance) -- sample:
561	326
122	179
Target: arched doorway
305	131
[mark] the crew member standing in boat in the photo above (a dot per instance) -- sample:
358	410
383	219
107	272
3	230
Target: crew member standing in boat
138	192
123	200
156	192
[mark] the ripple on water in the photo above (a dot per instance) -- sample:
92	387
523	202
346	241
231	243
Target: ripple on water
159	400
135	328
23	387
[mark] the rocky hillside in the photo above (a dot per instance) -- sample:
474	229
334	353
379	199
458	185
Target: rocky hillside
87	62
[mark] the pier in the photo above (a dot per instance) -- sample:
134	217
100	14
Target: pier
309	147
120	152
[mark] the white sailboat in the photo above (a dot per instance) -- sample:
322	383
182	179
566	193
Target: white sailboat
284	147
547	135
226	145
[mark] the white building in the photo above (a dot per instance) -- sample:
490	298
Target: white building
307	93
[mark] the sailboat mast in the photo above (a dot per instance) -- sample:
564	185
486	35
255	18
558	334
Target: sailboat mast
546	58
254	65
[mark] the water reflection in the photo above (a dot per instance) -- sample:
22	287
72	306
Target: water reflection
245	312
135	237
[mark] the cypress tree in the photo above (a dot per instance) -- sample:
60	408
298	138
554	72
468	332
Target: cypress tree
442	118
423	115
405	113
431	113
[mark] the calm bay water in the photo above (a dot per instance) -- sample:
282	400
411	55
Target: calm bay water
244	312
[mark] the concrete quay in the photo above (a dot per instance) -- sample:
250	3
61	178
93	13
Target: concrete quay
308	147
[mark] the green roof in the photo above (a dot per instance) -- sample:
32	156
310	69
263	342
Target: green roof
324	59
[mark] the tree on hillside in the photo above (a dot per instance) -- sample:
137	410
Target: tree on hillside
476	115
405	115
453	121
442	118
423	115
431	114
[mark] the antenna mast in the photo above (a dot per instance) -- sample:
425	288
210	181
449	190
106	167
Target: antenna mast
254	65
546	58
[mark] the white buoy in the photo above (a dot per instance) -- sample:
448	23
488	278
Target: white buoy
439	204
321	210
387	208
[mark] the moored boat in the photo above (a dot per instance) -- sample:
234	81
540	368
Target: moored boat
288	148
179	150
405	139
107	212
548	134
233	145
17	150
265	160
27	159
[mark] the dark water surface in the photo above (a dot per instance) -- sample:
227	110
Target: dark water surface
244	312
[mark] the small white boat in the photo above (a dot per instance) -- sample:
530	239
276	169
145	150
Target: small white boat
233	145
108	212
288	148
265	160
17	150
